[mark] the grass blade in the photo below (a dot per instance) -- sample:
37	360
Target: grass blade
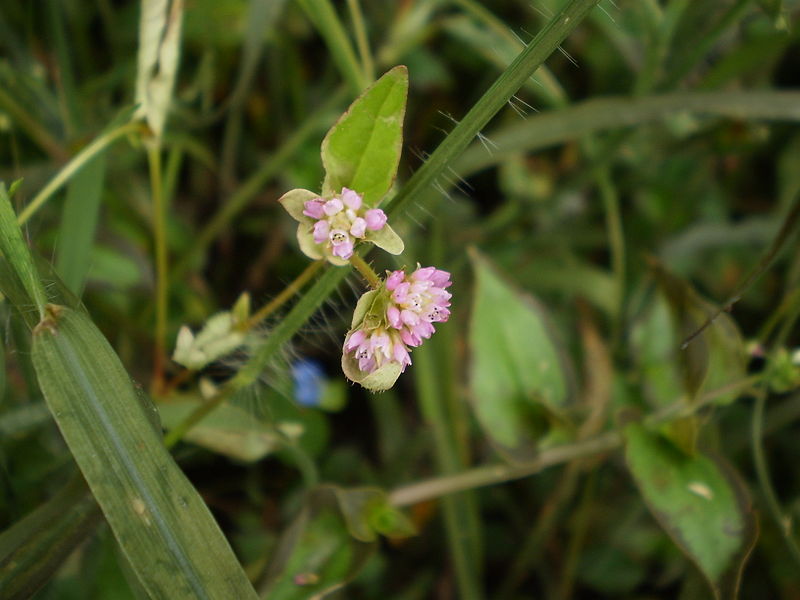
79	222
35	547
323	15
558	126
160	521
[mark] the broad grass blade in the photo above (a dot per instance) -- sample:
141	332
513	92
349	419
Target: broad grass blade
162	524
34	548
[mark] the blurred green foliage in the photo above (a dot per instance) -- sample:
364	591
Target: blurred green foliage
628	188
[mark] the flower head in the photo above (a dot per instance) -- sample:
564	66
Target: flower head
331	227
391	320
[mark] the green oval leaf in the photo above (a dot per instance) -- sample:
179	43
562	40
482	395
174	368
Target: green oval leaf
362	150
714	359
699	501
317	553
160	521
518	376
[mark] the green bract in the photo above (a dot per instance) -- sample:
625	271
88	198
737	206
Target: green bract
369	313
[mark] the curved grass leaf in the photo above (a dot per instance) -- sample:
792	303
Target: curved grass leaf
362	150
160	521
571	123
33	549
699	501
518	377
79	222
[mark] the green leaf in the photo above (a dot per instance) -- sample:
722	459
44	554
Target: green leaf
34	548
362	150
228	430
316	554
19	257
669	374
160	521
699	501
518	376
159	50
386	239
367	512
381	379
79	222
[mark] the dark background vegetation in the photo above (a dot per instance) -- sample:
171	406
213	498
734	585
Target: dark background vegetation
704	194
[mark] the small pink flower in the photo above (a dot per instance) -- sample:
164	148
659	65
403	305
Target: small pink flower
395	279
332	207
313	209
351	199
321	229
380	342
375	218
346	213
417	301
358	228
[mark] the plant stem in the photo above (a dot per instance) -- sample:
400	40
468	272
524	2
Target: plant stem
175	434
362	41
501	473
323	15
73	166
288	292
495	98
162	275
37	132
762	473
456	518
366	271
616	240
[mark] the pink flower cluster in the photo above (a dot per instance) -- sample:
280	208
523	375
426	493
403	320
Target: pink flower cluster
413	304
342	220
374	348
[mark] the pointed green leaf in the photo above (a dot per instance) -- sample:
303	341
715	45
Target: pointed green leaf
362	150
518	376
367	512
294	203
386	239
699	501
363	307
160	521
